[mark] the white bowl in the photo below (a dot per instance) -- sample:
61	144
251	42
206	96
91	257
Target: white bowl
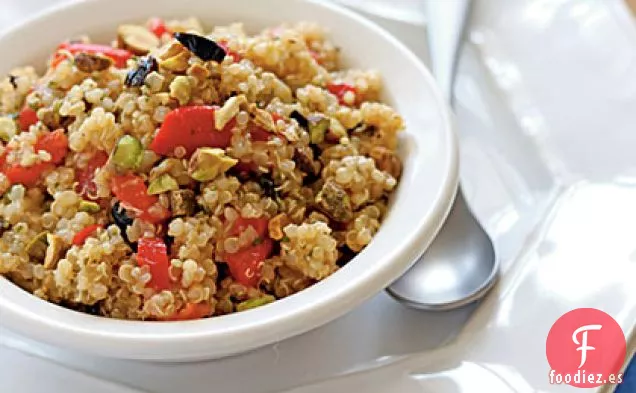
428	148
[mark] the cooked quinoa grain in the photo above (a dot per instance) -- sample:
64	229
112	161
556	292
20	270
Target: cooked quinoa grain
180	178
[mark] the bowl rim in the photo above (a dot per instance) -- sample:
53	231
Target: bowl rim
55	327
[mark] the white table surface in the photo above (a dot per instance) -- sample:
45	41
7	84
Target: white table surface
546	95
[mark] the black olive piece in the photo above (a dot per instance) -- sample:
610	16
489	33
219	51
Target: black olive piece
316	150
299	118
3	226
310	179
169	240
202	47
122	221
66	121
12	80
347	255
92	309
223	271
268	186
242	175
137	77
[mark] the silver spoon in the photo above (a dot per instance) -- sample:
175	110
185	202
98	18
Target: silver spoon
460	266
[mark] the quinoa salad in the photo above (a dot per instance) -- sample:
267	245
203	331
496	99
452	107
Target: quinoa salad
179	173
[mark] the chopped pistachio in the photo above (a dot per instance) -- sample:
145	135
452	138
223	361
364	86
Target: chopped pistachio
256	302
36	248
318	125
52	255
137	39
89	207
163	183
230	109
91	62
181	90
337	129
303	157
175	57
182	203
198	71
177	63
207	163
128	152
49	117
8	128
170	50
263	118
335	202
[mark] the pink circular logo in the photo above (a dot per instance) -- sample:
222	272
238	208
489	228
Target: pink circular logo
585	348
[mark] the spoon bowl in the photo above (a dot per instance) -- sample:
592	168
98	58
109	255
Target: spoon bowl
457	269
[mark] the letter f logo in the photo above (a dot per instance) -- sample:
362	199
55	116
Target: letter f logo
584	347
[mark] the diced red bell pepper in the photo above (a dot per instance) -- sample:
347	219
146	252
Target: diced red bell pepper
86	177
245	265
244	168
191	127
235	56
258	133
241	224
155	214
191	311
277	117
158	27
132	192
26	118
340	89
27	176
154	253
57	59
80	237
56	143
119	56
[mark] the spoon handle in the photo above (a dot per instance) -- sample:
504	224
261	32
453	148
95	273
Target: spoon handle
460	266
446	20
